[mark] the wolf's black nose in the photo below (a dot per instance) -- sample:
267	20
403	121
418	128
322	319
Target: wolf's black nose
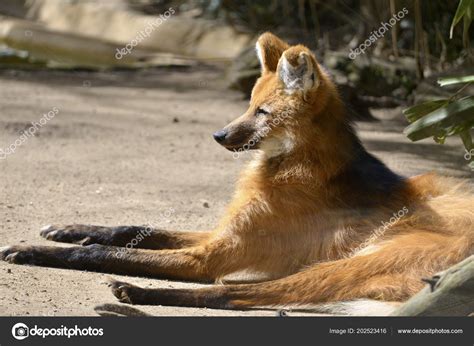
219	136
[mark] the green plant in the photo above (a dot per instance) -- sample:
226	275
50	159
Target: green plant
451	116
465	10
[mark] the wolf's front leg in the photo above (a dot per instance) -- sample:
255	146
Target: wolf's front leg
137	236
203	263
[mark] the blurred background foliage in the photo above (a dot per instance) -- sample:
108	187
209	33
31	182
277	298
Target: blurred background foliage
416	48
432	42
345	23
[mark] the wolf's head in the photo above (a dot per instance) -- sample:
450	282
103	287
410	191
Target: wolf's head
286	104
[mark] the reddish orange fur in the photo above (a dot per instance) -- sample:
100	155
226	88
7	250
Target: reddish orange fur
305	208
269	213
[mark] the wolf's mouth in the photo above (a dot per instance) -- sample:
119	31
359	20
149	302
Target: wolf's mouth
232	147
250	145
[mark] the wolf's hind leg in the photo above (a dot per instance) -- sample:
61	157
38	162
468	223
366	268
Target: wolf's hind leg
138	236
311	287
393	273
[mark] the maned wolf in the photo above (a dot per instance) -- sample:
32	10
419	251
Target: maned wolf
307	213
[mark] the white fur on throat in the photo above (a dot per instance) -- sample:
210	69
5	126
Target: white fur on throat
274	146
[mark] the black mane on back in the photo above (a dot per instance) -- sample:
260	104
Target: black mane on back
367	180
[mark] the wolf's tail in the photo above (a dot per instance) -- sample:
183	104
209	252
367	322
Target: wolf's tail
359	307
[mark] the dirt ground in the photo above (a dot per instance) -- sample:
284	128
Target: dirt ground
128	148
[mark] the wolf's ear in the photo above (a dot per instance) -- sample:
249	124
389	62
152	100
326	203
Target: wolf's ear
297	69
269	50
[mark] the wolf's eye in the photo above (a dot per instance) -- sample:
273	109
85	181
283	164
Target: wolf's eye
260	111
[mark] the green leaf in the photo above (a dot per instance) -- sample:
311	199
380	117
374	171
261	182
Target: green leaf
440	140
467	24
453	118
455	80
463	6
416	112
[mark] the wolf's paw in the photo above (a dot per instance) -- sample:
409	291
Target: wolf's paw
18	254
77	234
125	292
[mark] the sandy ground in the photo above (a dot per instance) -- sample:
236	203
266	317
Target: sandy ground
125	148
